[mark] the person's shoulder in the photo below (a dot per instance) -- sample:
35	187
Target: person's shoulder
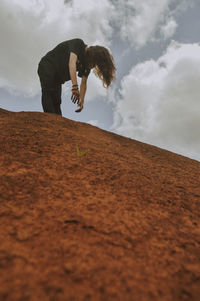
76	40
79	42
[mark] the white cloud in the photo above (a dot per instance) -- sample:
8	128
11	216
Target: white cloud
159	102
169	29
31	28
94	88
138	20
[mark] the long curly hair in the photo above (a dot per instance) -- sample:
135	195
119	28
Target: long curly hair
99	58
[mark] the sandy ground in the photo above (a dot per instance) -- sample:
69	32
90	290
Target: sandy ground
120	223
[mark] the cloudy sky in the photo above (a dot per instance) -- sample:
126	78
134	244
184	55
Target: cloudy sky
155	43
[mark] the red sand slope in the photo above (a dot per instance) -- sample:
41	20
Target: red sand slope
120	223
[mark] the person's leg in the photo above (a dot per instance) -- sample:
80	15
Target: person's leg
48	101
50	89
57	100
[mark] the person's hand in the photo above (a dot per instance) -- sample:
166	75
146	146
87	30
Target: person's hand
75	94
80	104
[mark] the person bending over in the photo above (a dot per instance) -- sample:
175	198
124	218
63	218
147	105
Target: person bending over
63	62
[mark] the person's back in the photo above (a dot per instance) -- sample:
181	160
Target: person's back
59	57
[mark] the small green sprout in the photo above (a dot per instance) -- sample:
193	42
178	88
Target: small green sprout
81	154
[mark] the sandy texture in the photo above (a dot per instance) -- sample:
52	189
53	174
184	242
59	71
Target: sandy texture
120	223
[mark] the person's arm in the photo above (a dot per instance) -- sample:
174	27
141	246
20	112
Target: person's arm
83	88
72	71
72	67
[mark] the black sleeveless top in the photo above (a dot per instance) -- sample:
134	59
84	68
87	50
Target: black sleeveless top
59	58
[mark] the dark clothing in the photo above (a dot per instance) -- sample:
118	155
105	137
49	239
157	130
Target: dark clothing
59	58
51	88
53	71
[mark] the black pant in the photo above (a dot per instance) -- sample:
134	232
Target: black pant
51	88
